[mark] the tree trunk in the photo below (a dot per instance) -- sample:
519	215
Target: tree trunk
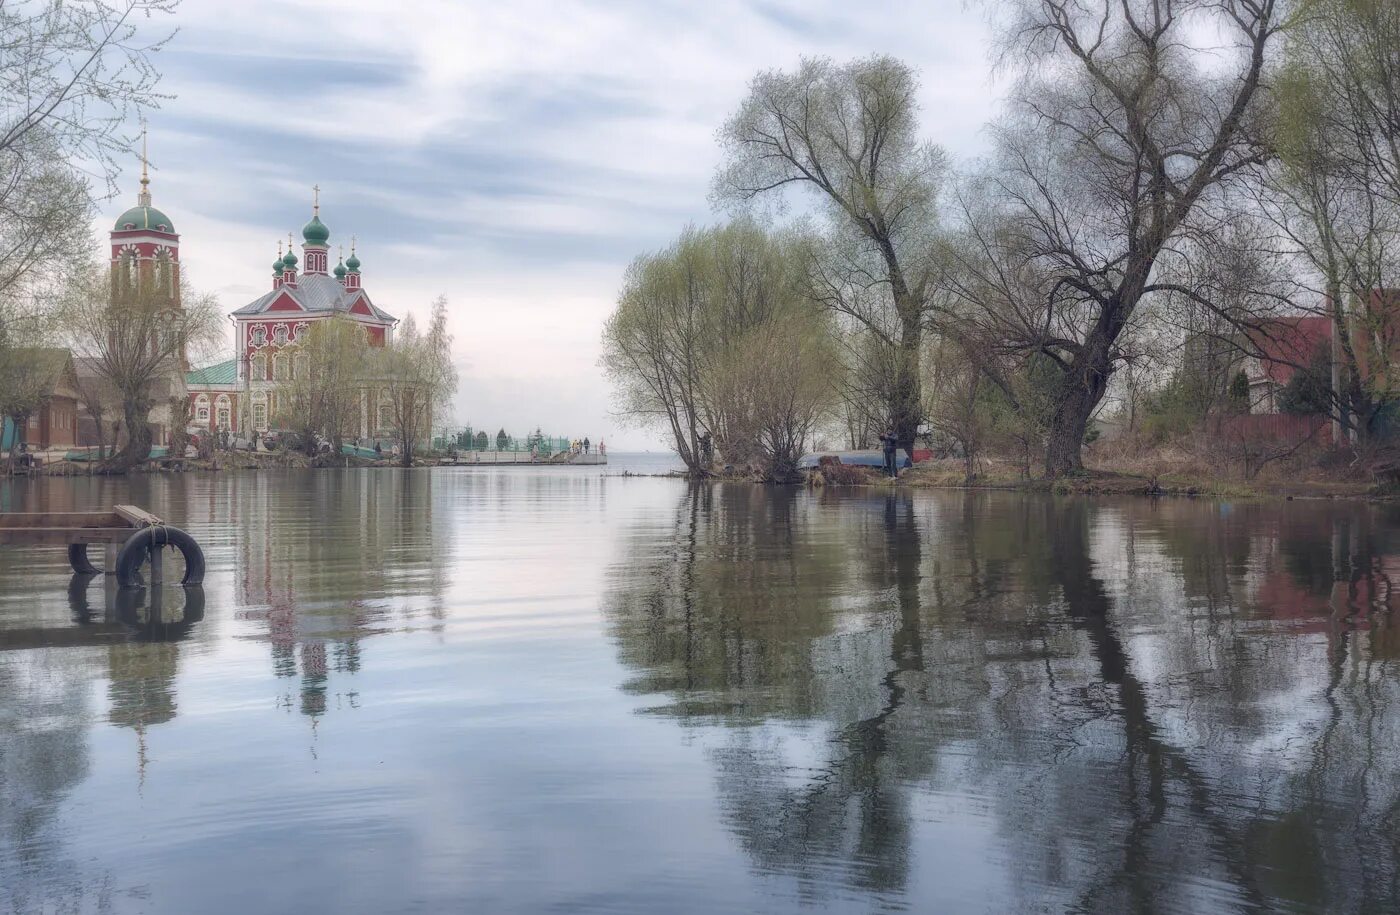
138	437
1084	383
906	403
1083	389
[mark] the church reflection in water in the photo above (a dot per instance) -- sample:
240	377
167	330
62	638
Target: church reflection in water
1128	705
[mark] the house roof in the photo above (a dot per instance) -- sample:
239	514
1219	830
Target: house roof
314	292
219	373
1288	343
52	366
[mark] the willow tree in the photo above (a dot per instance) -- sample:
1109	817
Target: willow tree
325	393
138	336
1130	125
849	133
716	336
416	379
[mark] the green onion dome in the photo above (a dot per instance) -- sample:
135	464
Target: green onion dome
315	232
141	217
339	271
289	261
277	267
353	264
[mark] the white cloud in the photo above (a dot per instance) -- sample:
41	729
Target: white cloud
513	157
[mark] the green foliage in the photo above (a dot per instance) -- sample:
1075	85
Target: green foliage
1309	391
1239	393
502	440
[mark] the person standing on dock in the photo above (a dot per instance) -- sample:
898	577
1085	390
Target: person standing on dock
889	443
586	445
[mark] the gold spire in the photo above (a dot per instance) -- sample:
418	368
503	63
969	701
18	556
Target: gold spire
144	198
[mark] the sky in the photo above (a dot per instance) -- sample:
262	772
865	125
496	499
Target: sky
513	157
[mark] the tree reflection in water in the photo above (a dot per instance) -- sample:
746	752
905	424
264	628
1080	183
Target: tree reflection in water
1149	706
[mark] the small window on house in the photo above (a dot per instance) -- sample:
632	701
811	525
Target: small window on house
281	335
259	336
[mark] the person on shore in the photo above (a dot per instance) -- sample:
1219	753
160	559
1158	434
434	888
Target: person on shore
890	445
378	450
602	449
534	453
707	449
586	445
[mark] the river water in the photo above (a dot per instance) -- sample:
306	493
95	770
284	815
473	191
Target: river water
553	690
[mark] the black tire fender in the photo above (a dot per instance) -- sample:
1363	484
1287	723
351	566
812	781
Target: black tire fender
133	554
78	559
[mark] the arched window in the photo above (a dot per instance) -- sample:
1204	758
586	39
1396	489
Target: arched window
279	366
259	371
201	410
260	336
280	335
299	365
300	333
223	412
260	411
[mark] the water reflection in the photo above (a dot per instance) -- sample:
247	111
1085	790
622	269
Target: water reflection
307	565
1147	706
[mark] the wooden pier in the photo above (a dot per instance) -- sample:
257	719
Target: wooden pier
132	537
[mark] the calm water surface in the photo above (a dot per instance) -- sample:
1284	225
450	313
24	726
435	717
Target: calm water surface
529	690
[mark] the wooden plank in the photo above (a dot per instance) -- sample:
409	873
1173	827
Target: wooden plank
61	519
65	535
136	517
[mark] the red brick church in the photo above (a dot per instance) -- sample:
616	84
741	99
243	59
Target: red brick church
240	394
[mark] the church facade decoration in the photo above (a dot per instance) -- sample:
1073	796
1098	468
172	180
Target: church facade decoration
239	395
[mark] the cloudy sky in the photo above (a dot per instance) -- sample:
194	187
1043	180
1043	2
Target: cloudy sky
512	156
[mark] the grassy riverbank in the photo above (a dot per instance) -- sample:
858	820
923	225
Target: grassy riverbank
952	475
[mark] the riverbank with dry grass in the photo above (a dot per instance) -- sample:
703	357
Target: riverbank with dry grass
1149	479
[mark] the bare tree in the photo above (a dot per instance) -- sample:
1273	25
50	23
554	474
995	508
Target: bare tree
849	133
138	330
72	75
1130	120
417	376
326	390
1333	194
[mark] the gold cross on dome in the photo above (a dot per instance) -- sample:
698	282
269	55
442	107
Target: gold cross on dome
316	199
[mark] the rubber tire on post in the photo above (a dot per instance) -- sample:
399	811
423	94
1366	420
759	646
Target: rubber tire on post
133	554
78	559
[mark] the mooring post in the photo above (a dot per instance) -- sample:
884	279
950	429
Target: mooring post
109	558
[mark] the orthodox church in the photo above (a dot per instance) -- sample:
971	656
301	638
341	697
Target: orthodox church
240	394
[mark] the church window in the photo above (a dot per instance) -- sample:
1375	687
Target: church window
279	367
260	367
281	335
299	365
201	410
259	336
260	411
223	412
